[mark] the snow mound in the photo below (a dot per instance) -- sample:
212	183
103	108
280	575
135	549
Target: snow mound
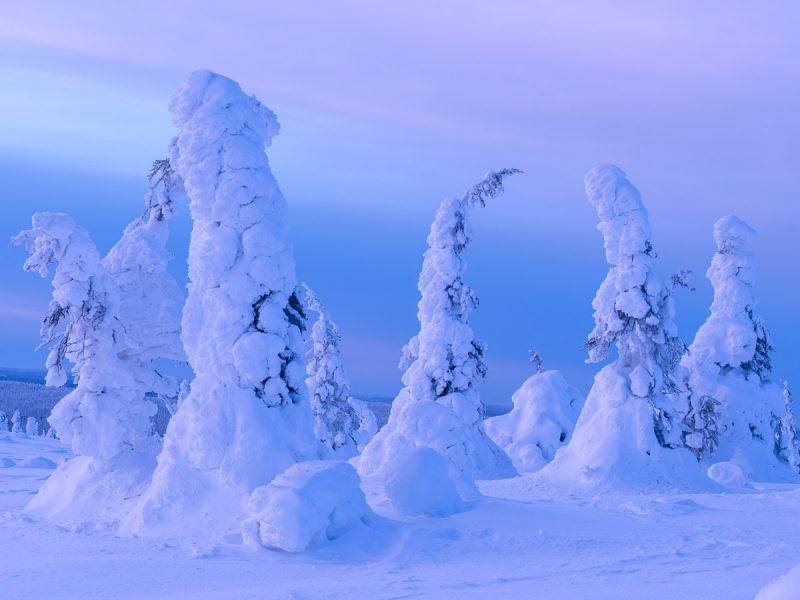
38	462
614	444
545	410
421	484
728	474
7	463
786	587
306	506
86	491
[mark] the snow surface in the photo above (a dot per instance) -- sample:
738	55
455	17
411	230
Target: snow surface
525	540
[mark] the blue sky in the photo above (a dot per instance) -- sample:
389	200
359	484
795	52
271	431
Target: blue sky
388	107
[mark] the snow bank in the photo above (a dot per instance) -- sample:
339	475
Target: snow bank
308	505
440	407
629	432
545	410
246	417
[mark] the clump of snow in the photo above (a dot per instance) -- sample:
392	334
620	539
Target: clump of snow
737	413
438	497
728	474
545	410
629	432
308	505
246	417
440	406
341	422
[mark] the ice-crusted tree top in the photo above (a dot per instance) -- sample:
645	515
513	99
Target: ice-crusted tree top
450	356
733	336
632	309
79	302
149	310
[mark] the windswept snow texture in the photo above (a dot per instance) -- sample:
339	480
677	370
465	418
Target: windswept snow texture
523	540
738	413
545	410
247	416
309	505
440	406
341	422
629	432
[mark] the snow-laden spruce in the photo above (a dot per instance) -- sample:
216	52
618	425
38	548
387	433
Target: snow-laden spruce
440	406
246	417
16	422
149	300
545	410
629	432
342	423
737	413
106	418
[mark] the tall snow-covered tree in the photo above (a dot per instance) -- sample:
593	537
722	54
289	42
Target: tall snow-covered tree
246	417
341	422
106	418
439	406
104	415
3	422
32	426
736	411
150	301
629	432
16	422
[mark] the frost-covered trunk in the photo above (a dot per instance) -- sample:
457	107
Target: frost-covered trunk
737	413
629	432
246	417
440	407
341	422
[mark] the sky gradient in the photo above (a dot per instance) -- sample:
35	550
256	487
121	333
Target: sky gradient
386	108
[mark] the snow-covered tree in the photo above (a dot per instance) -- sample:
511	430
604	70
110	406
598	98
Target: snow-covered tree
16	422
629	432
150	301
246	417
440	406
32	426
106	418
341	422
104	415
3	422
736	411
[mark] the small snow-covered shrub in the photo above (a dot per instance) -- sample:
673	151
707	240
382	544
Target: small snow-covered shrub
545	410
421	484
32	426
728	474
308	505
341	422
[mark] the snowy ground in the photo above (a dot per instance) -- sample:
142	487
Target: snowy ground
524	542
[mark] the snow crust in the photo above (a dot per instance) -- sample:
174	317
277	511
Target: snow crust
439	406
246	417
310	504
545	410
